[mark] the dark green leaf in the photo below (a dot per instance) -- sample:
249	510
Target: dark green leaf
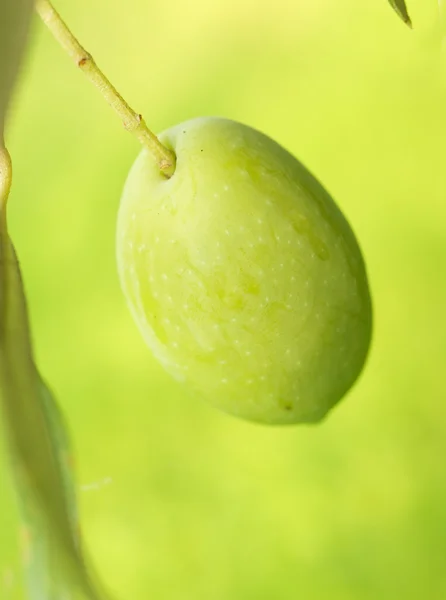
401	9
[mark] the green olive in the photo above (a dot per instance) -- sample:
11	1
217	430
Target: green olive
242	274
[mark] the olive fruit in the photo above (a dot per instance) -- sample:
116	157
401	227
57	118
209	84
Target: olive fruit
242	274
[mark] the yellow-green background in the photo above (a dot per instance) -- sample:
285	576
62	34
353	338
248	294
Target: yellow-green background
201	506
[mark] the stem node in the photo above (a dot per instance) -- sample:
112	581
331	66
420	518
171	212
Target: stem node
83	61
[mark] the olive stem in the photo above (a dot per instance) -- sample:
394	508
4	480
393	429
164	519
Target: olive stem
132	121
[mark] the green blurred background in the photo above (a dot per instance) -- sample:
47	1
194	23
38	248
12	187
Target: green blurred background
197	505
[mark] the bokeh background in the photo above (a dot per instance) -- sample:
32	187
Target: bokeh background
179	501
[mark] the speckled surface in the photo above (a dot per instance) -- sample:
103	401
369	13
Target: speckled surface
242	274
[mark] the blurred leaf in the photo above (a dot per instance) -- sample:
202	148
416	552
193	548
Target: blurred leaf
41	553
401	9
15	16
38	446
